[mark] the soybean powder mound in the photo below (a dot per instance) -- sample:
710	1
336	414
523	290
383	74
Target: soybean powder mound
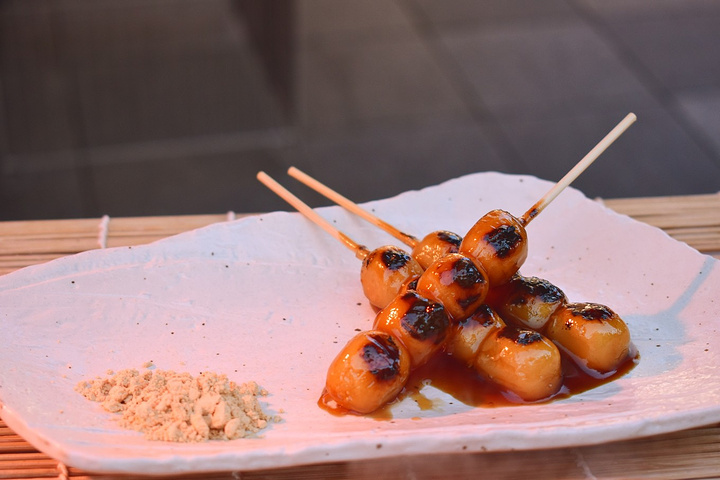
177	407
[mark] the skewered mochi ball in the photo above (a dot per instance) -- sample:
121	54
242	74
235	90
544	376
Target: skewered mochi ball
498	241
369	372
467	335
594	335
523	362
421	325
436	245
384	271
457	282
527	302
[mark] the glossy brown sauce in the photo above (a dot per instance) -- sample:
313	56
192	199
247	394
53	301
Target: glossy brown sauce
463	383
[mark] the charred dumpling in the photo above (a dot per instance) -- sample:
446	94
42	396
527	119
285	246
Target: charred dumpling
383	273
596	337
420	324
436	245
524	362
467	335
368	372
527	302
457	282
498	242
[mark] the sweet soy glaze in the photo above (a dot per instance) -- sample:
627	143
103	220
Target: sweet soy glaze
463	383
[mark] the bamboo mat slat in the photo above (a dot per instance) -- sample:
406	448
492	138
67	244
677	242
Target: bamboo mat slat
671	212
25	243
694	453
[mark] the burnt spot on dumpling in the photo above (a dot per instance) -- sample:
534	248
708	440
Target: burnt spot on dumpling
450	238
504	240
395	259
465	273
382	356
483	314
456	282
521	337
535	288
424	319
591	311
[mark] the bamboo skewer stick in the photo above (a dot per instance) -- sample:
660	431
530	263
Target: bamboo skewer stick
360	251
351	206
578	169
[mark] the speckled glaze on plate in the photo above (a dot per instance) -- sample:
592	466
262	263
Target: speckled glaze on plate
273	299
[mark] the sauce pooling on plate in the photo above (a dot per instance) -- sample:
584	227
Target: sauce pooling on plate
447	374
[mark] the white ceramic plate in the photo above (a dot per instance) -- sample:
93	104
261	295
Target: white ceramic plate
273	299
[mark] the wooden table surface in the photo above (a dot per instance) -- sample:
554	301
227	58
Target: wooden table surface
693	453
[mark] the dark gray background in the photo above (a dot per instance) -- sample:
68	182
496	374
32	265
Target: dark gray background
150	107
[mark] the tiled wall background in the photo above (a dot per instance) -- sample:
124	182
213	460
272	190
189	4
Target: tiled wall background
152	107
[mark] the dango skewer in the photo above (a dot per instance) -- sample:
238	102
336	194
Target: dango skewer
533	374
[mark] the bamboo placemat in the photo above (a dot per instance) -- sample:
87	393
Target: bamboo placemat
694	453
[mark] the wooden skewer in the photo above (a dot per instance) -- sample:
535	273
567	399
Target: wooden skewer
351	206
360	251
579	168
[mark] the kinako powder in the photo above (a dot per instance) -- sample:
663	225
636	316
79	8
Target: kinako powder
177	407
